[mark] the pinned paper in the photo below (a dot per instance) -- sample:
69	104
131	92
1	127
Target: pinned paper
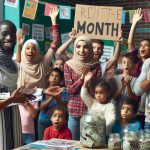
38	32
11	3
26	28
147	15
131	13
48	33
65	12
30	8
123	17
48	8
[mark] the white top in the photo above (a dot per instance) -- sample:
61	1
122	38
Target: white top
108	110
137	89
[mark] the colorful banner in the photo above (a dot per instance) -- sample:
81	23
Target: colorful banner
147	15
30	8
123	17
131	13
65	12
48	8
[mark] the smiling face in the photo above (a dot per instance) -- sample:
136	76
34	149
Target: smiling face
7	37
58	119
144	49
82	51
98	51
30	52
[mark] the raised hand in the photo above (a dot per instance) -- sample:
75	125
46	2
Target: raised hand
53	14
72	34
84	70
137	16
119	37
20	37
88	76
53	91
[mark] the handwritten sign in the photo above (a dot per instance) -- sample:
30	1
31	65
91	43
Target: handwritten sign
98	22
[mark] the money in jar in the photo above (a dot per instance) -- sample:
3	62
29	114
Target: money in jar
92	130
114	142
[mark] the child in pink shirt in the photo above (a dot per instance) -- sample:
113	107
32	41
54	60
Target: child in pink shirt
59	117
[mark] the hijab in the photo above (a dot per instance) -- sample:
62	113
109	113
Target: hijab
76	64
31	73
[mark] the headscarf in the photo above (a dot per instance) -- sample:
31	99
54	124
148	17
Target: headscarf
6	62
31	73
75	63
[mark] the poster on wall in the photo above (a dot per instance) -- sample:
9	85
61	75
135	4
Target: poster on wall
98	22
38	32
11	3
30	8
48	8
48	33
65	12
108	53
26	28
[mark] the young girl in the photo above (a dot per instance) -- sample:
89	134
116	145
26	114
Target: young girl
102	101
33	65
49	102
74	71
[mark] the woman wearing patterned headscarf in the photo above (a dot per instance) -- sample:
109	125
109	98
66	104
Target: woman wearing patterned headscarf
74	72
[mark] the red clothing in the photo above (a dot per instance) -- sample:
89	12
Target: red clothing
64	133
73	83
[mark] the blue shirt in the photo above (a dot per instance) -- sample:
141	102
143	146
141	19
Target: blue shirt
44	116
133	126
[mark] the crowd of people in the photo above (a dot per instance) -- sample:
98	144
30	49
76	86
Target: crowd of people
118	89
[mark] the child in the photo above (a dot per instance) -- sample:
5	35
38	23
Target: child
59	63
101	103
28	112
59	118
128	112
48	103
123	84
33	66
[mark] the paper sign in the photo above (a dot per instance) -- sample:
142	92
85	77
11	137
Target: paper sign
26	28
38	32
11	3
30	8
48	8
147	15
48	33
131	13
65	12
107	54
98	22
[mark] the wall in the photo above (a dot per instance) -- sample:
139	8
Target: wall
12	14
127	5
1	10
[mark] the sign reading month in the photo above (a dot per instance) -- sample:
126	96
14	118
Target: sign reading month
98	22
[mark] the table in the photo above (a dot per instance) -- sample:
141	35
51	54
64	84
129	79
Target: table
77	146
